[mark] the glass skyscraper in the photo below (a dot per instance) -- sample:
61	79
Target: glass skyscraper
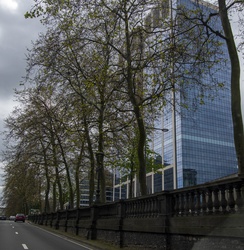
199	144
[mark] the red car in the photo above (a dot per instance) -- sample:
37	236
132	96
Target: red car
19	217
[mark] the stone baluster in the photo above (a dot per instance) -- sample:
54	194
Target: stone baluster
231	201
154	206
176	205
149	210
127	212
149	206
239	198
216	202
141	207
132	208
204	202
146	210
152	209
137	208
192	203
186	205
128	209
223	201
198	202
180	204
210	201
132	204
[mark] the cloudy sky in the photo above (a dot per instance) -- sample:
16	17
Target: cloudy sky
16	34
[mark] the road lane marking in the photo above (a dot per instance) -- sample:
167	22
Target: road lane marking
24	246
16	233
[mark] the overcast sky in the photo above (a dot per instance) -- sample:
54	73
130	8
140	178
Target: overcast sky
16	34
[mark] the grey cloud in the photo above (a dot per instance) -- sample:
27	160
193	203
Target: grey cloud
16	34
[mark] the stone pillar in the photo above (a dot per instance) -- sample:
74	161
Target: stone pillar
165	209
121	215
92	230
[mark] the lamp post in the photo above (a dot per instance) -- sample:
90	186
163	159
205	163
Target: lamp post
99	157
161	129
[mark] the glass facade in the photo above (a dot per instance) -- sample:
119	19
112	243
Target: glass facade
203	143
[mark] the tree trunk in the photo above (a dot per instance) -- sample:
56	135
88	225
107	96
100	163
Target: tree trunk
235	87
48	186
54	197
57	178
47	191
135	101
77	176
70	187
92	161
101	173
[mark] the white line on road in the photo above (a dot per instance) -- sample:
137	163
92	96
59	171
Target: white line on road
16	233
24	246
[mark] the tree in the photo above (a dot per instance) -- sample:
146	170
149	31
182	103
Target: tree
134	49
145	47
235	85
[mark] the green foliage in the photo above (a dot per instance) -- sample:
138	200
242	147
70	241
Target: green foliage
99	74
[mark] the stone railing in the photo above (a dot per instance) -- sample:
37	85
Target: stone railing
213	209
218	198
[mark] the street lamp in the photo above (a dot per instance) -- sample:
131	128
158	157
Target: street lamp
161	129
99	157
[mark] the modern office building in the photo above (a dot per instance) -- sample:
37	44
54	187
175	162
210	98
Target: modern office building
198	146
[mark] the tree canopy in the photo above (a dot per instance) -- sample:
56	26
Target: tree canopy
97	78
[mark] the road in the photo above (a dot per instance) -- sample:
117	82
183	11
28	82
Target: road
20	236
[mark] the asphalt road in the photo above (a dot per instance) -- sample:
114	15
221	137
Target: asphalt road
19	236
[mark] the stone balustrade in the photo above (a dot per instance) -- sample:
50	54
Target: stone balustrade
210	211
218	198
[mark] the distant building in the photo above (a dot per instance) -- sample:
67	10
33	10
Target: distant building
84	190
